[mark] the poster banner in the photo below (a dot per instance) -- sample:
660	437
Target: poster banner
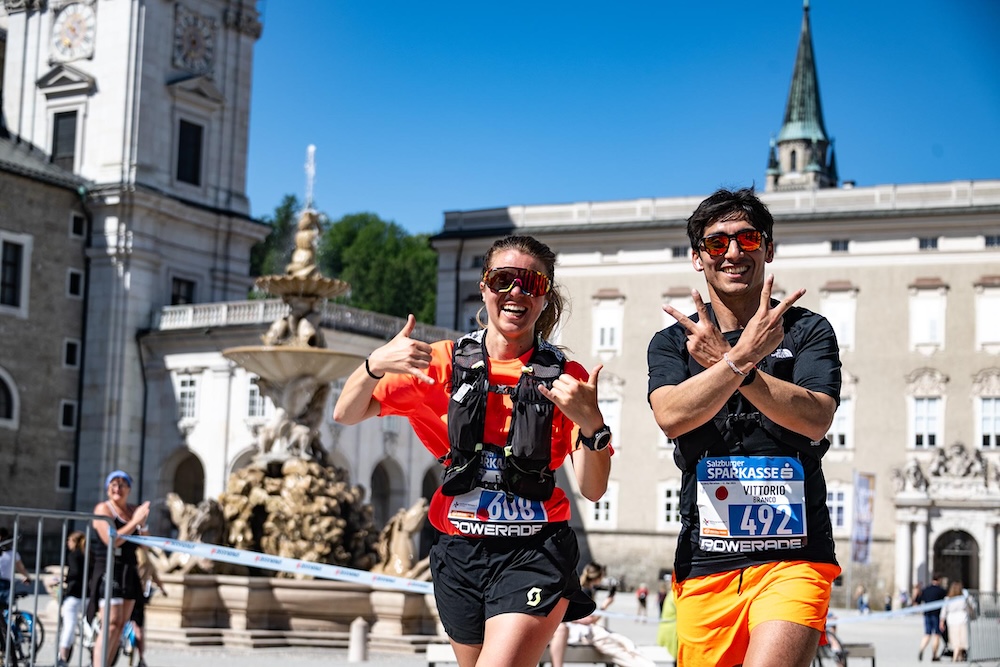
864	504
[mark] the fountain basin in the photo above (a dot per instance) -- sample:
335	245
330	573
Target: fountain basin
282	364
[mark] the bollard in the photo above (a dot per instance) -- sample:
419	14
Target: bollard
357	647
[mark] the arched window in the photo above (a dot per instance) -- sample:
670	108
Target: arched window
9	401
793	161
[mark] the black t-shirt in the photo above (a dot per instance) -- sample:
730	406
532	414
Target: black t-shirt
808	357
932	593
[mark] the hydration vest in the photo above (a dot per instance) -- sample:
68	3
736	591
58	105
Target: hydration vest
525	457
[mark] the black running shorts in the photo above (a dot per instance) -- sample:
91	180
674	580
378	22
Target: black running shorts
478	578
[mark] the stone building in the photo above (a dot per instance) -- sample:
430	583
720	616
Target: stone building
149	103
43	226
908	276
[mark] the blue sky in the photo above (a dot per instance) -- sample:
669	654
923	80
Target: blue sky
417	108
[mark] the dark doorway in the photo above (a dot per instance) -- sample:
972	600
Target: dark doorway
956	556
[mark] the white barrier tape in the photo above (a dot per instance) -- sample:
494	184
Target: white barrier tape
896	613
282	564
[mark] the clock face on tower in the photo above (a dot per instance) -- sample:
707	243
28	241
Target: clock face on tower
194	41
73	32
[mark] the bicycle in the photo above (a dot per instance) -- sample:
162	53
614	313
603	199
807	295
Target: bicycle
126	643
23	627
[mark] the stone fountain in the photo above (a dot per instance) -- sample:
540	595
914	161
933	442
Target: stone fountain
290	501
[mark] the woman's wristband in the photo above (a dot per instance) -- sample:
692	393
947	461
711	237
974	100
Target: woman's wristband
368	369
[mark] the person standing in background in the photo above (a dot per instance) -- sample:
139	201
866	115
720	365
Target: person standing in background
72	597
932	617
955	615
10	564
641	595
128	519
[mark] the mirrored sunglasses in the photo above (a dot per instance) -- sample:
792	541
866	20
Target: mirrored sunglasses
748	240
503	279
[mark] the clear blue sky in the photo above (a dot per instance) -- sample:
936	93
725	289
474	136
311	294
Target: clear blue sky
417	108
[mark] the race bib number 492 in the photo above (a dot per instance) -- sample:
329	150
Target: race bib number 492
751	503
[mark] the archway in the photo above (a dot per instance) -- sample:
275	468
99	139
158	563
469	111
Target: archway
956	556
189	479
388	491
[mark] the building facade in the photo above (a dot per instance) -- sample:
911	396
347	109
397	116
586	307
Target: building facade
908	276
148	103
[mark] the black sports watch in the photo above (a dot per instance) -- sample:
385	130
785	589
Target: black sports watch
597	442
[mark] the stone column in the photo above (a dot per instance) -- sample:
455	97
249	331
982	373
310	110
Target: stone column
988	564
904	555
921	551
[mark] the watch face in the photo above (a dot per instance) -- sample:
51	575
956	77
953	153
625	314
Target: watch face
73	32
194	41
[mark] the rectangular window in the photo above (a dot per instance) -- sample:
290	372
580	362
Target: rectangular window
836	504
927	319
840	431
71	354
926	418
11	268
680	251
255	402
670	505
993	240
77	226
187	397
839	245
64	476
611	408
609	320
990	410
64	139
189	147
67	414
74	283
604	513
988	319
839	308
928	243
181	292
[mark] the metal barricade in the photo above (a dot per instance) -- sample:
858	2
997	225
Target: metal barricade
37	524
984	627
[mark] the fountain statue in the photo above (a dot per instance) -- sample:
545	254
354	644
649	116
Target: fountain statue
290	500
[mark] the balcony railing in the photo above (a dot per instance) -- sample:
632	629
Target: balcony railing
334	316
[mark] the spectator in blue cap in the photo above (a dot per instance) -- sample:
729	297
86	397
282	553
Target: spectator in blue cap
125	585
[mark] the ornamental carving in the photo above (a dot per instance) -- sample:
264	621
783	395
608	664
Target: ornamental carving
986	382
954	472
13	6
926	382
243	20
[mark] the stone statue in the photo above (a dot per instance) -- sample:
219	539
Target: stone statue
396	546
939	464
195	523
303	264
915	479
959	461
294	430
300	327
898	480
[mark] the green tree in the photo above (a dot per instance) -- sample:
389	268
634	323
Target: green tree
390	271
271	256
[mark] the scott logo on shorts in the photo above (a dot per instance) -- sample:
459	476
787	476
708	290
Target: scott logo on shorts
534	596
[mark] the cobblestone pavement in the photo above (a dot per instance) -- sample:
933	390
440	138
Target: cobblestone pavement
896	641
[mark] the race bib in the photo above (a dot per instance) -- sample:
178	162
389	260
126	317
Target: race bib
487	513
751	503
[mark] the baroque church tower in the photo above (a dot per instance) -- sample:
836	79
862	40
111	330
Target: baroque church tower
148	101
802	157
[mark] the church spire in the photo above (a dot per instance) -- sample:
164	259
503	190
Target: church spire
802	144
